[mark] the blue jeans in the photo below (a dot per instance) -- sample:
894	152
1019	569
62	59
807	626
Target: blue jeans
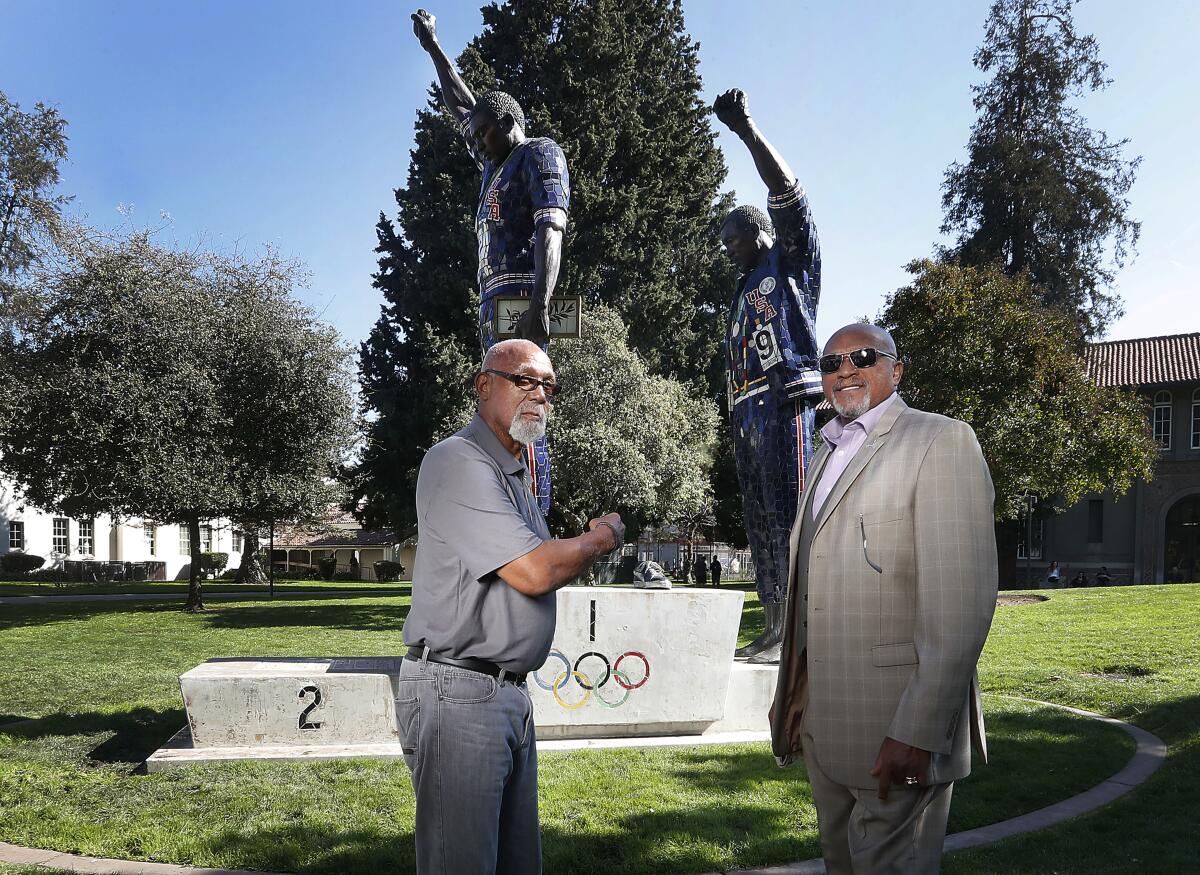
469	741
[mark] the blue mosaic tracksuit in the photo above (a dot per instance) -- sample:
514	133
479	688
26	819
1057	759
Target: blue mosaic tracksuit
530	188
774	385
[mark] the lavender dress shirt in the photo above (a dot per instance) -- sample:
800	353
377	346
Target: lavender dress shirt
844	439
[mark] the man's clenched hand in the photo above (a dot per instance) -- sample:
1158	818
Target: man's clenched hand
732	110
613	520
425	28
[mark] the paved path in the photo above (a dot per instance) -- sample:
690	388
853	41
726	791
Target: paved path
1147	758
179	596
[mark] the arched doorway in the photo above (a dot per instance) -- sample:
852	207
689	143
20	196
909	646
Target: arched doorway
1181	552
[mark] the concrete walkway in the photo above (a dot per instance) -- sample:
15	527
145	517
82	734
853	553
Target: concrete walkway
179	596
1147	758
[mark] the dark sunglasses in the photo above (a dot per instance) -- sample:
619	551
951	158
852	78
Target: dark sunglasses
526	383
860	358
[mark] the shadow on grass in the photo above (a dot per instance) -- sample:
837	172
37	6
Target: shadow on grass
136	733
353	617
228	613
657	842
45	614
1174	720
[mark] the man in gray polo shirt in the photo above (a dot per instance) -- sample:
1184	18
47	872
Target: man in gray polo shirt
482	617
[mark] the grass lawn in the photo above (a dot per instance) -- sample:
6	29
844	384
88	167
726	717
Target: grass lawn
103	679
141	587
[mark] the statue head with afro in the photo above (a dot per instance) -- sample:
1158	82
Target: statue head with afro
497	125
747	234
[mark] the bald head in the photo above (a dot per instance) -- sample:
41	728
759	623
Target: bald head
507	355
516	414
876	337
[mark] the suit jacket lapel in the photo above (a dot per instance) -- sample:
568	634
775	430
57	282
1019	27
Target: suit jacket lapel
812	477
866	452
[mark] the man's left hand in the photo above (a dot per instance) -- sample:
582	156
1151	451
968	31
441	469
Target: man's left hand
898	763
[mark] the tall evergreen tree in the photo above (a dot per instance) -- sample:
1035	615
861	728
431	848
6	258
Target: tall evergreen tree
1041	191
616	85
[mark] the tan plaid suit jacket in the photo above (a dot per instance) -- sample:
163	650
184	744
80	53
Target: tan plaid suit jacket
890	604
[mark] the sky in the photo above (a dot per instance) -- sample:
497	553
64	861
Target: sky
290	124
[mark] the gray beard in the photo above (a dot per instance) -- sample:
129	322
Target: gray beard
525	432
853	412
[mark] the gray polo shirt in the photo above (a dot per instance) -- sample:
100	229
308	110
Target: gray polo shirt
476	513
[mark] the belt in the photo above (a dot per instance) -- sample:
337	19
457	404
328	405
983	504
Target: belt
416	654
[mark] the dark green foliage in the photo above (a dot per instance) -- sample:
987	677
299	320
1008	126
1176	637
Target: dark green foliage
327	566
296	573
387	571
616	85
20	563
980	348
1040	190
213	561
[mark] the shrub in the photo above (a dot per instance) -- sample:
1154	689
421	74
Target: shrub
48	575
213	561
345	575
387	571
328	567
20	563
297	574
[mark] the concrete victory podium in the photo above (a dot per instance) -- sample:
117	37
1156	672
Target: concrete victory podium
625	663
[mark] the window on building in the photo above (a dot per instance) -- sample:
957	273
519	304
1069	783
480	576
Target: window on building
1096	521
60	535
237	541
206	539
87	539
149	532
1162	419
1039	534
185	543
16	535
1196	420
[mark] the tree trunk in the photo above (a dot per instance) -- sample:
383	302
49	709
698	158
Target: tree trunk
195	599
251	570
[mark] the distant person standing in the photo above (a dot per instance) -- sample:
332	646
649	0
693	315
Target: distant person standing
715	568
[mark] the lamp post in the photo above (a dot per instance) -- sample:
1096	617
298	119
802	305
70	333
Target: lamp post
1029	502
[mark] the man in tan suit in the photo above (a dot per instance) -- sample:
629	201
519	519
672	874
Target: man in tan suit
893	586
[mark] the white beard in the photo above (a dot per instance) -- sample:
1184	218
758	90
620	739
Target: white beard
524	431
852	412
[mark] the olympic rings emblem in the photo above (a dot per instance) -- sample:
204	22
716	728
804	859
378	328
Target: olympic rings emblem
610	671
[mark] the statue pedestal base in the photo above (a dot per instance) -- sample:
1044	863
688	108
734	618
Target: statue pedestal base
628	667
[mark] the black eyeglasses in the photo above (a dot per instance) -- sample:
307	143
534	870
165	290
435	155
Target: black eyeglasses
526	383
860	358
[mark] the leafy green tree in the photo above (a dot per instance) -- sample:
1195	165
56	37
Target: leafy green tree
980	348
32	145
616	85
623	438
174	386
1041	191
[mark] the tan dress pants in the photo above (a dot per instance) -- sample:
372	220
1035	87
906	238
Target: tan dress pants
862	834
